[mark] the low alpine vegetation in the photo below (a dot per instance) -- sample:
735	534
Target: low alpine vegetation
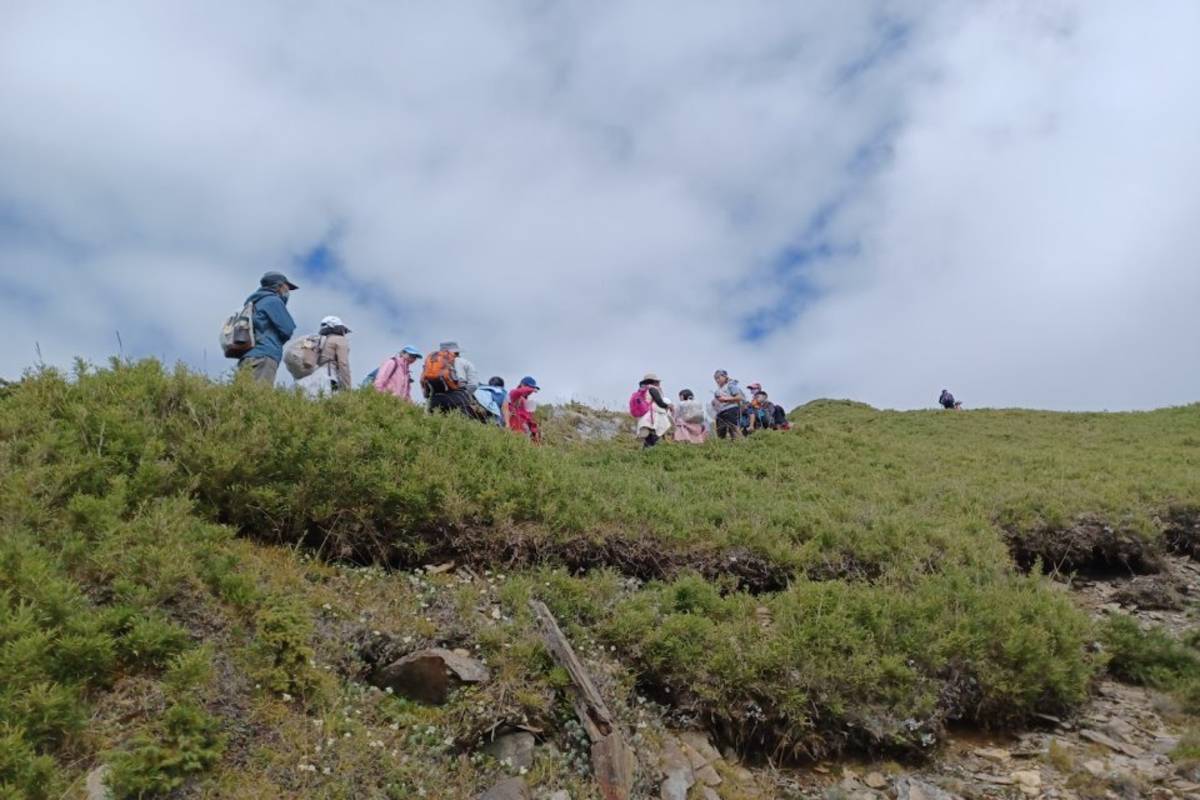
194	576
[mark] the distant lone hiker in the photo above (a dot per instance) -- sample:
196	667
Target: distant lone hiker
273	326
393	376
948	402
728	400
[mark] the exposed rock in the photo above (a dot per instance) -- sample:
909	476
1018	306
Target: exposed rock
428	676
708	776
875	780
95	785
700	747
1028	781
1121	747
913	789
561	794
1094	767
513	747
996	754
677	771
510	789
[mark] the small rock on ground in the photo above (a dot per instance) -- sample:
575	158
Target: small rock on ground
95	784
427	676
514	748
510	789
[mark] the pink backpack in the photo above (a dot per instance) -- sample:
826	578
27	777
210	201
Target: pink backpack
639	403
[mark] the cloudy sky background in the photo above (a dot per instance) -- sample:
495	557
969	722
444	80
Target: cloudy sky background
869	200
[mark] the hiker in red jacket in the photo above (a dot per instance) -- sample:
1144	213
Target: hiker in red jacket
520	419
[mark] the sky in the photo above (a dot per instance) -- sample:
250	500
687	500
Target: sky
870	200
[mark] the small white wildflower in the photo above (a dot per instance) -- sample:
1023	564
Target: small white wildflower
327	607
522	770
389	690
325	770
346	735
287	698
406	639
395	726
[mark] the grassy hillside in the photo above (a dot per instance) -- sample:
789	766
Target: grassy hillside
193	582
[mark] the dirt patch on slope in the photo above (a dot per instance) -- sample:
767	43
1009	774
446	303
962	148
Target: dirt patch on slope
1089	547
645	558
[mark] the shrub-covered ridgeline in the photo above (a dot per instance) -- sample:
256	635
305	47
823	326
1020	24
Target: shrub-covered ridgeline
847	583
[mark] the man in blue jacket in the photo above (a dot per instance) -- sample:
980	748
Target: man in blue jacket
273	326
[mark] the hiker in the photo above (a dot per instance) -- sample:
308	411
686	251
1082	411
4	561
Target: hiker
393	376
520	418
762	412
690	425
948	402
781	420
450	381
494	399
273	326
333	359
728	400
645	405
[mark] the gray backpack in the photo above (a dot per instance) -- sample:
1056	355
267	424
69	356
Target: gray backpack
237	334
302	356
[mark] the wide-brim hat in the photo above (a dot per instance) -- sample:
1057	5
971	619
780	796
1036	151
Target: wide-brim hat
650	377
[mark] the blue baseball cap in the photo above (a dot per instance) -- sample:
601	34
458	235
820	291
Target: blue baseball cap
412	351
528	381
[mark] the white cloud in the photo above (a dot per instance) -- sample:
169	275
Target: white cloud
587	192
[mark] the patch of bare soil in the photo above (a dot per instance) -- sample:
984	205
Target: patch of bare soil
1089	547
645	558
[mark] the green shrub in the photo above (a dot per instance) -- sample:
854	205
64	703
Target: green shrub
1148	657
284	644
23	772
186	743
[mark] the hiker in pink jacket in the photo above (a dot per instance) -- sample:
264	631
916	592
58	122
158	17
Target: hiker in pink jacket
393	376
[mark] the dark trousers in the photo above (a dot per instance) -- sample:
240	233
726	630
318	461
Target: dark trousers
457	400
729	423
651	439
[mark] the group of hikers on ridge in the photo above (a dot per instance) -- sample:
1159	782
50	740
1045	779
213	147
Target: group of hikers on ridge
260	337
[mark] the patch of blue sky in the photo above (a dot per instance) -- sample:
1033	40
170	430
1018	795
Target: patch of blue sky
320	264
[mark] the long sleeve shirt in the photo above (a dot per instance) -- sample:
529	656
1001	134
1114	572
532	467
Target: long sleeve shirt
335	356
466	374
